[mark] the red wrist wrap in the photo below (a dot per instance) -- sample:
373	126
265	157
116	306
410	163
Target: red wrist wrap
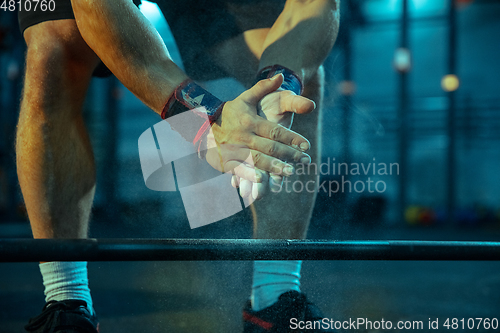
190	96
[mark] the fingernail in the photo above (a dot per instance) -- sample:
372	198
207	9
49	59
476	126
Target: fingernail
275	77
258	178
304	146
288	170
305	160
275	181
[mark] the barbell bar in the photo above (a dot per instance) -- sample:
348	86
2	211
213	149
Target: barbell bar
119	249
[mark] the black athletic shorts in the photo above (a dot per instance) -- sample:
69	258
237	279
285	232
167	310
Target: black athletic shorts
197	25
62	11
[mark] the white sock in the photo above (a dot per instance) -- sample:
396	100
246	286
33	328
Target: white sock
273	278
66	280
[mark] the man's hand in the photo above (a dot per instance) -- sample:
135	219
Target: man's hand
240	135
278	107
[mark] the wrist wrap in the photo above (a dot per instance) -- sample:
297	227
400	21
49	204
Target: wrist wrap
291	82
190	96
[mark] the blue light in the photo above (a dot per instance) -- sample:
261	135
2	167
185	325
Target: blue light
152	12
428	6
421	4
392	8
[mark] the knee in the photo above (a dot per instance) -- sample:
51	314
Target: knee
59	66
56	48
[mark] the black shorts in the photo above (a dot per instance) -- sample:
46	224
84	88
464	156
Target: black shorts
197	26
62	11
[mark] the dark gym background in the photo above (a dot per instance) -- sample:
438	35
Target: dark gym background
412	82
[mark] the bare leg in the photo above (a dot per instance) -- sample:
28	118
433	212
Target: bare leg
287	214
283	215
54	158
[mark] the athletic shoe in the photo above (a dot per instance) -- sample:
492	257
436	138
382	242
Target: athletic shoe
69	316
289	314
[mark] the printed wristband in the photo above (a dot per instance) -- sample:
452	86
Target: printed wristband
291	82
188	96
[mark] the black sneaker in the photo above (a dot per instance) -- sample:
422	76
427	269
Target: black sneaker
289	314
70	316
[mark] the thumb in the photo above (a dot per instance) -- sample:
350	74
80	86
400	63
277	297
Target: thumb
261	89
297	104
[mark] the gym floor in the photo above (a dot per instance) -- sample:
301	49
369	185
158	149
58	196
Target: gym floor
208	297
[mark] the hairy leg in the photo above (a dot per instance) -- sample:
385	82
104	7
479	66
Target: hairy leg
54	158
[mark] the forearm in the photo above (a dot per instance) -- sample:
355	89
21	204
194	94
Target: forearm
302	36
130	47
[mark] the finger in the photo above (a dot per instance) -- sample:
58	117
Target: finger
278	150
232	157
296	104
259	190
233	152
271	164
245	188
244	171
235	181
275	183
278	133
261	89
275	180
